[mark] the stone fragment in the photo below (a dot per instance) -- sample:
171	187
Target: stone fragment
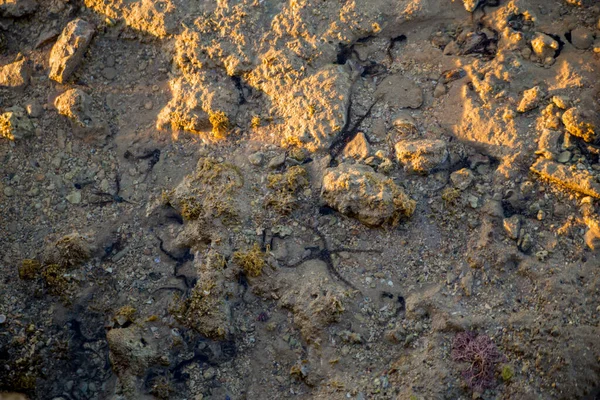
564	157
15	75
400	92
421	155
358	148
404	123
440	90
581	123
531	99
76	105
69	49
256	158
358	191
562	102
17	8
548	143
592	235
512	226
462	178
15	125
544	46
582	38
580	181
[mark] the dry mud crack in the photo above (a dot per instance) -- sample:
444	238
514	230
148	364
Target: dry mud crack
261	199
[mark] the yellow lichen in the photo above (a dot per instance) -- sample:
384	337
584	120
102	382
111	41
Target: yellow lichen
251	261
220	124
29	269
285	188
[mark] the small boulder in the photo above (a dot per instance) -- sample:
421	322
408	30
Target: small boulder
581	123
462	178
15	125
358	148
69	49
531	99
76	105
14	75
17	8
544	46
421	155
358	191
582	38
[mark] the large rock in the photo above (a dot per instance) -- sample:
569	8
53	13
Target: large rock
581	123
582	38
15	125
76	105
579	181
360	192
69	49
421	155
14	75
17	8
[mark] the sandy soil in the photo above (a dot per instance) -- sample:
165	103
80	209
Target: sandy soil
257	199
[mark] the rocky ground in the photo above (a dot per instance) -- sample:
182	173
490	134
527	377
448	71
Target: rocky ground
306	199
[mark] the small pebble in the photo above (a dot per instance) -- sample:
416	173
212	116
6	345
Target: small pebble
2	318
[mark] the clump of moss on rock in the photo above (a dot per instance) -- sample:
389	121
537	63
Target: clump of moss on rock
69	251
252	261
29	269
220	124
285	188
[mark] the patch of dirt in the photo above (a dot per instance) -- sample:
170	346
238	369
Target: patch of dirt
317	200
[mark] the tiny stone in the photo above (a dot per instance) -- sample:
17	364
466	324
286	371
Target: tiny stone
277	161
2	318
256	158
148	105
74	197
8	191
564	157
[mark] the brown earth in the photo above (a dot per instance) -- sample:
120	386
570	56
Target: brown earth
303	199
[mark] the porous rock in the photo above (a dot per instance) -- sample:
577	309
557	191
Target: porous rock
15	125
421	155
581	123
69	49
15	75
76	105
358	191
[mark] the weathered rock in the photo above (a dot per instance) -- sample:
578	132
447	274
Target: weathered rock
579	181
15	125
131	352
548	143
194	102
582	38
15	75
400	92
592	235
531	99
462	178
358	148
512	226
471	5
17	8
76	105
315	117
69	49
421	155
544	46
581	123
360	192
562	102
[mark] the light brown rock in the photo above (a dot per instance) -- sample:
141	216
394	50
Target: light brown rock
544	46
69	49
531	99
421	155
578	181
371	197
581	123
358	148
76	105
15	125
15	75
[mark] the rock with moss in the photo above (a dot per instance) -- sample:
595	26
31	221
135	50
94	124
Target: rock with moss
251	261
373	198
15	124
69	251
582	123
285	188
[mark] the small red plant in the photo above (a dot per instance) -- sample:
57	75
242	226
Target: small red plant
482	355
